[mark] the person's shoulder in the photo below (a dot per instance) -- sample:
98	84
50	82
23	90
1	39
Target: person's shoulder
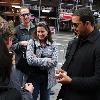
31	40
10	93
97	37
96	40
73	40
18	26
54	43
32	25
14	93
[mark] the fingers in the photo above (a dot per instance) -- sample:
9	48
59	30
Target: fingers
60	80
62	71
29	87
59	76
57	71
64	78
24	43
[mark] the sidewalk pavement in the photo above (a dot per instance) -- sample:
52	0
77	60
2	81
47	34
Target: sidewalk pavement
56	89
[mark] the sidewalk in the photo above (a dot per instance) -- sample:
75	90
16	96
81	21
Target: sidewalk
64	33
61	38
56	89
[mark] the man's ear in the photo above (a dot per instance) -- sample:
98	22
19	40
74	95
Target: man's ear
87	22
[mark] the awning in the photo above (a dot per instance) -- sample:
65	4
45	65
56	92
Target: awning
65	15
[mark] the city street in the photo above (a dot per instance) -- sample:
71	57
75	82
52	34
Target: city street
58	15
62	42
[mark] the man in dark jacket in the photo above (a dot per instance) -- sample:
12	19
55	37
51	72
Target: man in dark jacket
23	33
80	74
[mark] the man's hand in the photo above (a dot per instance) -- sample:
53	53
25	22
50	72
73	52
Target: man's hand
29	87
23	43
62	77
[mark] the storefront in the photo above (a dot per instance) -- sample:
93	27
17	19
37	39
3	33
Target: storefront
65	21
9	9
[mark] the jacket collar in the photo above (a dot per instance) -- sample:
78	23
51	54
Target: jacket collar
30	25
92	37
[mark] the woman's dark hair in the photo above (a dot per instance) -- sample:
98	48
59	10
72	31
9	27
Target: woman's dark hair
85	14
43	24
5	61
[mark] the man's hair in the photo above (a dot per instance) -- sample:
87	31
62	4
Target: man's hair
6	31
85	14
23	7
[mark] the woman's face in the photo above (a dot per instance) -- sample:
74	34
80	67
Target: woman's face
41	33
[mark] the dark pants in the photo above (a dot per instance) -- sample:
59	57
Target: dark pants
40	83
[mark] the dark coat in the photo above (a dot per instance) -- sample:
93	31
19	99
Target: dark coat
7	93
83	66
10	94
21	34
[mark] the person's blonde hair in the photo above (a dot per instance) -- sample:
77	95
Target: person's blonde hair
6	30
23	7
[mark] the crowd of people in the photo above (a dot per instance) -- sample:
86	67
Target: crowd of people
79	75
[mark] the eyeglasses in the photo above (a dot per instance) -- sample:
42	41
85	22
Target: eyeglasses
75	24
25	14
41	23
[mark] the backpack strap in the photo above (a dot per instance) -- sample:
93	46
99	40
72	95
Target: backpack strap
34	46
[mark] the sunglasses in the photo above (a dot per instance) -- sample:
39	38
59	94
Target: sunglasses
25	14
75	24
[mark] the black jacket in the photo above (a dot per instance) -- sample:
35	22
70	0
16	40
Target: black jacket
83	66
7	93
21	34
